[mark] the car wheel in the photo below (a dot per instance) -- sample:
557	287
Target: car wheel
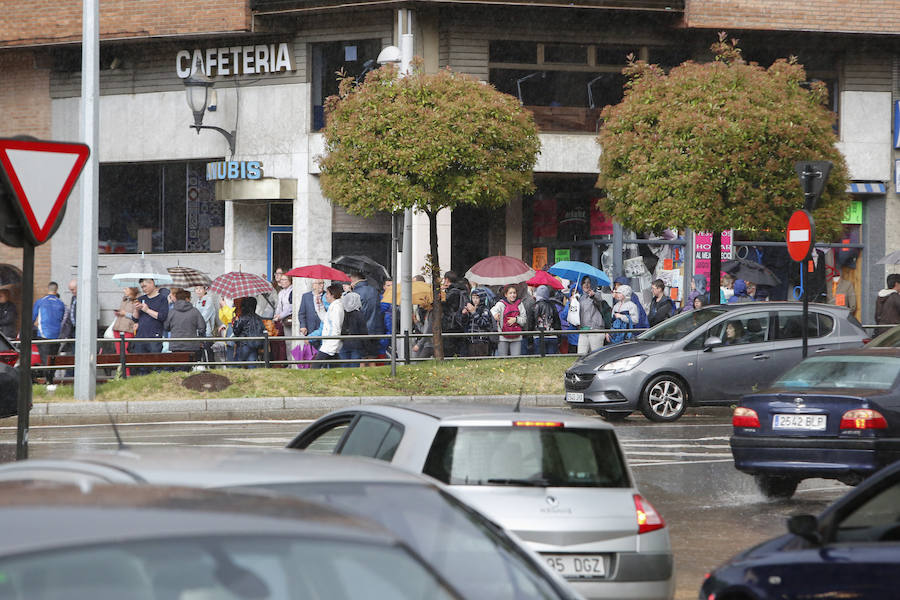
612	416
664	398
773	487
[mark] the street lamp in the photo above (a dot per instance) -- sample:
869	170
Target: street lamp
200	93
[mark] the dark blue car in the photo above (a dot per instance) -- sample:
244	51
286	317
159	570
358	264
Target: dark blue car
836	415
852	550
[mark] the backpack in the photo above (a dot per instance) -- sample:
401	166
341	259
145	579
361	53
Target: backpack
545	316
451	317
255	328
510	310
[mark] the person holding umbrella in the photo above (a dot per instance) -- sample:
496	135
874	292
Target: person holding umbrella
593	313
331	325
150	312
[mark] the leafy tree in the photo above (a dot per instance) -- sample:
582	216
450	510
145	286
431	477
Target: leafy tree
426	142
712	146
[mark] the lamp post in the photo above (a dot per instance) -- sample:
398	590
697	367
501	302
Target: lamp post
199	89
402	56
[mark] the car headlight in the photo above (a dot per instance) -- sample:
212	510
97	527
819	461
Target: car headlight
623	364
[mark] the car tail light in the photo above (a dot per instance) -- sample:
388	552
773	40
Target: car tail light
744	417
647	517
537	424
866	340
863	418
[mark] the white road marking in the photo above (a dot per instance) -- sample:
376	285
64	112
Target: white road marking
261	440
680	462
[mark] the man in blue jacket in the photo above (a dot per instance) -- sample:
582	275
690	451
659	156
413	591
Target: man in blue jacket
47	316
307	315
371	305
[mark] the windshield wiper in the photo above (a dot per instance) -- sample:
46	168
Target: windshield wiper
533	482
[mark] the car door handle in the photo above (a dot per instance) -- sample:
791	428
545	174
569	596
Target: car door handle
760	357
821	350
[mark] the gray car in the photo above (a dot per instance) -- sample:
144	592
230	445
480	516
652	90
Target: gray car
712	355
112	542
558	480
460	544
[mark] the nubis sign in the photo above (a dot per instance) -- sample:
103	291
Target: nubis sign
237	60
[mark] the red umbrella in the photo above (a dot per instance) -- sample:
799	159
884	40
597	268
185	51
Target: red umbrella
318	272
237	284
499	270
545	278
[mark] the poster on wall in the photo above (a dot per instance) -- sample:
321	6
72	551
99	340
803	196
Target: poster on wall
544	222
601	223
702	245
562	254
203	212
539	259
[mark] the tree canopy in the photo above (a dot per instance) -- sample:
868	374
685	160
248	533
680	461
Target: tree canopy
426	142
712	146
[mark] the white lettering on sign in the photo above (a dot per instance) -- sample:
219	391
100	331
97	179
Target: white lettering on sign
798	235
237	60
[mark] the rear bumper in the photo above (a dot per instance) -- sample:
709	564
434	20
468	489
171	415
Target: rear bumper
634	575
813	457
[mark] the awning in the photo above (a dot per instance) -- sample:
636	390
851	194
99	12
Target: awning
867	187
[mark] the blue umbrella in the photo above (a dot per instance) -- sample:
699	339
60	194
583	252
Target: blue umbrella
574	270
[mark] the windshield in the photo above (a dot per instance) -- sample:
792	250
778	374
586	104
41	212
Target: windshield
679	326
465	548
221	568
867	372
527	456
888	339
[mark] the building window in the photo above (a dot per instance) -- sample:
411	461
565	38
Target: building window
354	58
157	207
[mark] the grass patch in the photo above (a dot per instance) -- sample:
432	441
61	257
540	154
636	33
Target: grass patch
457	377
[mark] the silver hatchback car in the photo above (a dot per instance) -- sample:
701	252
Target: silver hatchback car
558	480
713	355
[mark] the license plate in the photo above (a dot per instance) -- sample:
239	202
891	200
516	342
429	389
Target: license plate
576	566
574	396
804	422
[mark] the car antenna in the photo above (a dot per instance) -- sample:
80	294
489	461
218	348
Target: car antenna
115	428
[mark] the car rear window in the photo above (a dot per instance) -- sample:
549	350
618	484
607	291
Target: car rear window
867	372
537	456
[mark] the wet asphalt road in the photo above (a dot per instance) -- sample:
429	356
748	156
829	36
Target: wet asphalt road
684	469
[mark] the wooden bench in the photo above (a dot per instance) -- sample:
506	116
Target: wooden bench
110	361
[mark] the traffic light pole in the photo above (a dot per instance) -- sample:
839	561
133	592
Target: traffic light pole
24	405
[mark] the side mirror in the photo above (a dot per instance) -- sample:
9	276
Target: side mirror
711	342
806	527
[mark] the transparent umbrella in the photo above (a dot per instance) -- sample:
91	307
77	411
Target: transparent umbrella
143	268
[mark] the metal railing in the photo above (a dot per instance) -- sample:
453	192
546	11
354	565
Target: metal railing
407	339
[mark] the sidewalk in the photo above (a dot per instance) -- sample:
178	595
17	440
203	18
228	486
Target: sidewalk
299	407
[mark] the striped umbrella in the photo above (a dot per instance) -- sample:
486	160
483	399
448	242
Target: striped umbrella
238	284
186	277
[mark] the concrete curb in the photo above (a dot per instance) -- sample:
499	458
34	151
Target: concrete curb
288	407
274	408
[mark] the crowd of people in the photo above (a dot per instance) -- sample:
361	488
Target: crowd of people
487	321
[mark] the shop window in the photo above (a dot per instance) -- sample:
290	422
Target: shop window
511	51
158	207
330	61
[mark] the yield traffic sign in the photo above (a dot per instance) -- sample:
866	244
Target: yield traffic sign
41	175
801	234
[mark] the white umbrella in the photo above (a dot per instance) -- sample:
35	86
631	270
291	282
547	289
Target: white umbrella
143	268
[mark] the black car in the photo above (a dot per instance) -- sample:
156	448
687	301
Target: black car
852	550
835	416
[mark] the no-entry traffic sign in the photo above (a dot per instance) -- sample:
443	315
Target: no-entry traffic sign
801	235
41	175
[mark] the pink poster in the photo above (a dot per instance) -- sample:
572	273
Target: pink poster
702	246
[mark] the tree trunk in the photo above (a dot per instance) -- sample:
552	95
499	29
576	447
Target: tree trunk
436	307
715	267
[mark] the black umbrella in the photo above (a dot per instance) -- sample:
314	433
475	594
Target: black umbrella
9	275
362	264
748	270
